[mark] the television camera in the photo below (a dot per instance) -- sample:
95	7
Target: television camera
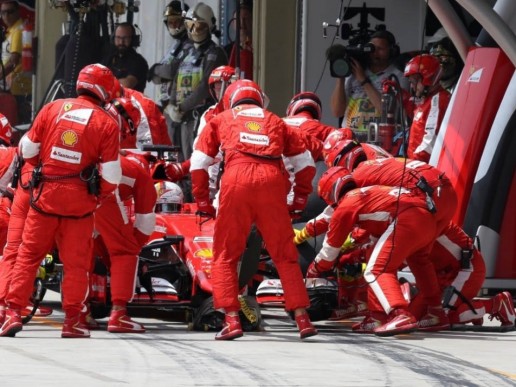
358	47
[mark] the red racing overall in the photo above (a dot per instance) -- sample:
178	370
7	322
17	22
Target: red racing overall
391	215
252	190
67	137
122	236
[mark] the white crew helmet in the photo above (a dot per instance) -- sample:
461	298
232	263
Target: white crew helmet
200	22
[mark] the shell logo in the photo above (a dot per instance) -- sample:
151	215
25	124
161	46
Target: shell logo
204	253
67	107
69	138
253	126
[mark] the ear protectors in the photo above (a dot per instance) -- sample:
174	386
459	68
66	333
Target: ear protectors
136	38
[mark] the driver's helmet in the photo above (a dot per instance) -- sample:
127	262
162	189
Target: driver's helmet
170	197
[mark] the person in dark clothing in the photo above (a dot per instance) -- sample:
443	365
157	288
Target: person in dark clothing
129	67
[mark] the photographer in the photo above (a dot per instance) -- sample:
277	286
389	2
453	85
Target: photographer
357	97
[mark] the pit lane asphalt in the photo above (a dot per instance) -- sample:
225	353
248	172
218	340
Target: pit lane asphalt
168	354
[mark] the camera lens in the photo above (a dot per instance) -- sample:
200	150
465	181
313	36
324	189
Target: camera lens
340	68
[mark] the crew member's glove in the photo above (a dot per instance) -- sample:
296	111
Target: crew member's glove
301	236
297	206
175	114
206	209
312	271
348	244
316	269
175	171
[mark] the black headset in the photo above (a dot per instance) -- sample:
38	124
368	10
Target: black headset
136	38
394	49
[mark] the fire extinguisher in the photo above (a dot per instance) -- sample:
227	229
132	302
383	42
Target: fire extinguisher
386	128
27	57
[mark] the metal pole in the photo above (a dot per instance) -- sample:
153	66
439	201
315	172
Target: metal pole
237	38
130	13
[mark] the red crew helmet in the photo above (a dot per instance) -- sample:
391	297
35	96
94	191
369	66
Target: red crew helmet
224	75
426	65
335	183
336	136
305	101
243	91
345	153
97	80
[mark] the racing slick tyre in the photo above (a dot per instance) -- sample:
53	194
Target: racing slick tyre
250	315
323	295
206	318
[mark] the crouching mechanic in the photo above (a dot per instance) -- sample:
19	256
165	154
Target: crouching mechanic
68	139
461	273
252	141
422	179
390	214
124	238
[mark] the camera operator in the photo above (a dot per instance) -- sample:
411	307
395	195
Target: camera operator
357	98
